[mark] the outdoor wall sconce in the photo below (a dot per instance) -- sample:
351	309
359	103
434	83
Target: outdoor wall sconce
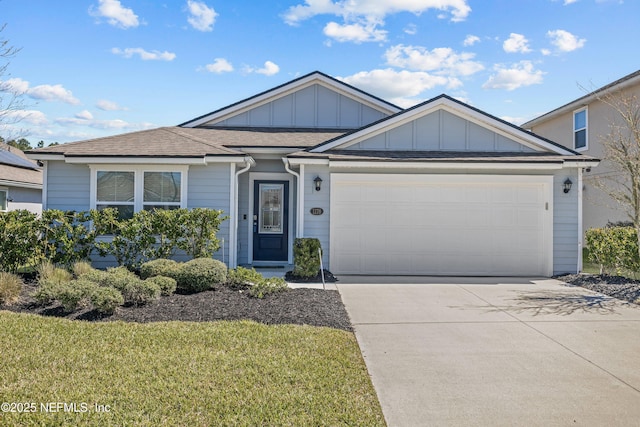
318	182
566	185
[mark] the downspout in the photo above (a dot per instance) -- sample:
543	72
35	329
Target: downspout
299	231
580	233
233	251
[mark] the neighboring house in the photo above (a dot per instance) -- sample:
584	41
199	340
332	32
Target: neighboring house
438	189
20	181
580	125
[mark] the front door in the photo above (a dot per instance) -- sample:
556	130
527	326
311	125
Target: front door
270	220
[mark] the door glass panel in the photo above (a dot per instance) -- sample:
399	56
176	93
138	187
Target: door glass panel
271	211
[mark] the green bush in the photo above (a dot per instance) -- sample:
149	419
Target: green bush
10	288
66	237
159	267
167	285
241	277
71	294
47	271
305	257
199	227
201	274
117	277
105	300
613	248
140	292
80	268
268	286
19	234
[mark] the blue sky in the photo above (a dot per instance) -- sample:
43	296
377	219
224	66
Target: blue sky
101	67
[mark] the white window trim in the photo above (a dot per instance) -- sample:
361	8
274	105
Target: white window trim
139	170
6	191
586	129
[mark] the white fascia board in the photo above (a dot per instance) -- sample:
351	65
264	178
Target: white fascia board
285	90
138	160
444	165
20	184
581	163
36	156
445	104
297	162
229	159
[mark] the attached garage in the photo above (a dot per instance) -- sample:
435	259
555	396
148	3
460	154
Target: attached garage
431	224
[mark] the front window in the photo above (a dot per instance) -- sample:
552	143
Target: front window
3	200
130	191
116	189
271	212
580	129
162	190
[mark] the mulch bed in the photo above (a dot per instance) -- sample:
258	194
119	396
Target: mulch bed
314	307
619	287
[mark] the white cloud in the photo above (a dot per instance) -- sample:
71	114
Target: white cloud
516	43
362	18
202	17
154	55
470	40
32	117
566	2
399	87
518	75
84	115
269	69
116	14
378	9
42	92
564	41
356	33
219	66
116	124
105	105
441	60
411	29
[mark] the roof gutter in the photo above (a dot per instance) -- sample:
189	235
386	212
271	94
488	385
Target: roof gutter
300	188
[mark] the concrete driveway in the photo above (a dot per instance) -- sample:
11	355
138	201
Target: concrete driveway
496	351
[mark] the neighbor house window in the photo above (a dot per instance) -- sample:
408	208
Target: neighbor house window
4	200
140	187
580	129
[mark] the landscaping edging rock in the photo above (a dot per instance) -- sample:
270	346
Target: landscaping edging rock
619	287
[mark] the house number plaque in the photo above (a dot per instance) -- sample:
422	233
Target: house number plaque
316	211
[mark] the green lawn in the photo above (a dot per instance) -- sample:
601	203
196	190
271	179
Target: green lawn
182	374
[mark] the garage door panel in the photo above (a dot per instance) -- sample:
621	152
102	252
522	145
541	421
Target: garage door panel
441	224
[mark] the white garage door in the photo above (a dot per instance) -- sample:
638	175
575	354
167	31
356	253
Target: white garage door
441	224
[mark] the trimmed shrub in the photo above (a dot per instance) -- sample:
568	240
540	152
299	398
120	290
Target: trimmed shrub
19	234
267	287
613	248
159	267
106	300
167	285
10	288
305	257
201	274
241	277
80	268
71	294
117	277
140	292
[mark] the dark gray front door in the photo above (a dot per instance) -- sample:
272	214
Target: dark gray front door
270	220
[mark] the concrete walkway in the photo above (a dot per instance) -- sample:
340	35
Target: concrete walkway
496	352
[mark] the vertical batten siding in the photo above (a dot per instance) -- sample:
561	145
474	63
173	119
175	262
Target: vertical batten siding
208	187
67	186
565	223
317	225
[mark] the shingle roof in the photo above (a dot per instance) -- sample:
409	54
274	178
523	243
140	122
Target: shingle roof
439	156
191	142
16	168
